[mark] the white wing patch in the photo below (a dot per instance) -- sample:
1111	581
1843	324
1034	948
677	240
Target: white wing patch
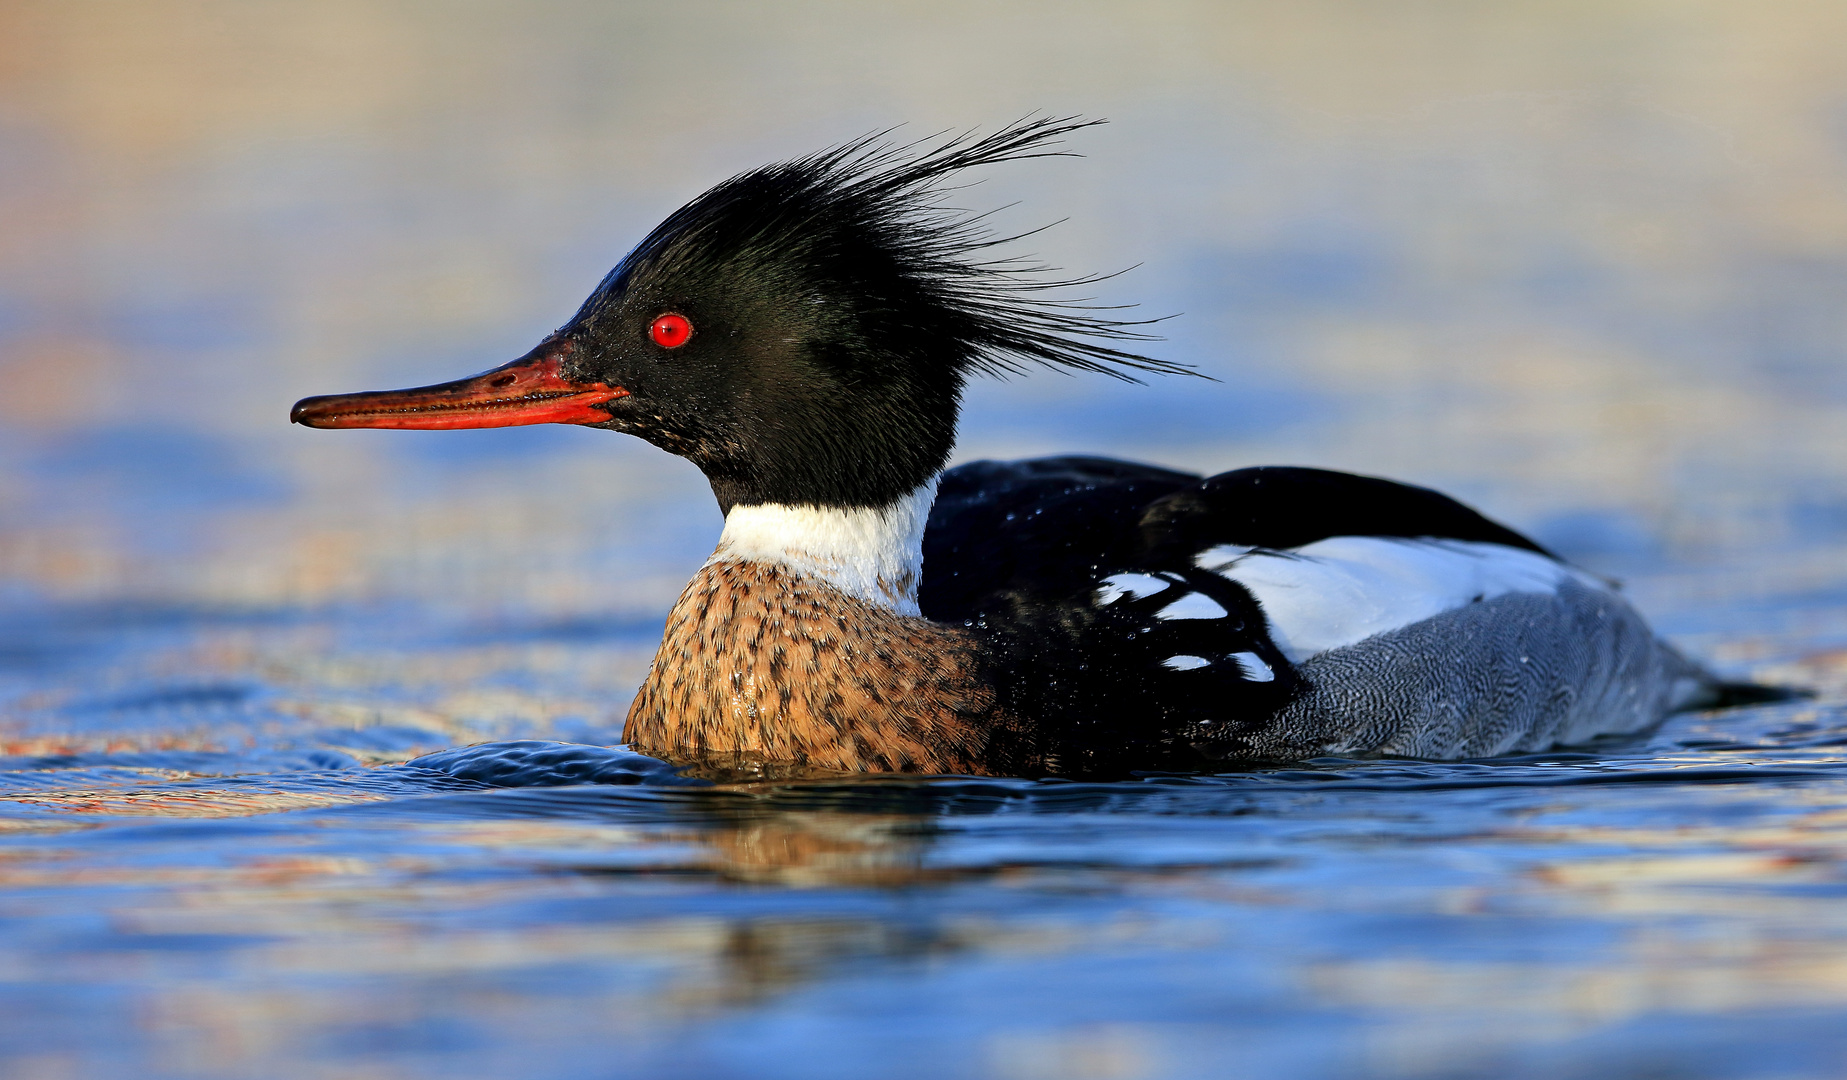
1253	667
1348	588
1133	586
1193	606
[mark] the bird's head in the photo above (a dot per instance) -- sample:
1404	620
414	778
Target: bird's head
801	332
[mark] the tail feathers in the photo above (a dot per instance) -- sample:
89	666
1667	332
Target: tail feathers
1698	688
1731	695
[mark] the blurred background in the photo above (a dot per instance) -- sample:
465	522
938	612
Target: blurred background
1584	265
1581	264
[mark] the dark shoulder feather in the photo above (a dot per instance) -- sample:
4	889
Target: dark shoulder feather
1280	506
1045	524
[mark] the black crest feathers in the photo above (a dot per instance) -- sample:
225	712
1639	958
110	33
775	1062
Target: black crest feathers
867	219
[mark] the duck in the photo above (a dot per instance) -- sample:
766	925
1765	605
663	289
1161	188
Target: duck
803	333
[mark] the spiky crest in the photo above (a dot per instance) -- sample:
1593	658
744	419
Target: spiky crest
873	198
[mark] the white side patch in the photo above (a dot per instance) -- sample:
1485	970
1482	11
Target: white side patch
1133	586
873	554
1192	606
1348	588
1186	663
1253	667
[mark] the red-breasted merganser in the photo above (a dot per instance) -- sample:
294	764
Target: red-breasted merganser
803	332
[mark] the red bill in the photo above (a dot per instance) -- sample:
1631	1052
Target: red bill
527	391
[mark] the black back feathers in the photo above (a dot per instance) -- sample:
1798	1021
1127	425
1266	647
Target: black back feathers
1051	525
1281	506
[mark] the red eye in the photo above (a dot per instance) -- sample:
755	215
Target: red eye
671	331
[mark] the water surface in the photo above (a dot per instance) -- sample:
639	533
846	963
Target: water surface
1581	266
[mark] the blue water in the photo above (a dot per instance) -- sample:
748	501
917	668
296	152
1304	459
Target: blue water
309	741
227	848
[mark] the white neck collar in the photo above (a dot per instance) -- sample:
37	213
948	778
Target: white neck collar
873	554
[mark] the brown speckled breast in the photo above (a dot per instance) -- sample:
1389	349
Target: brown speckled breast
772	665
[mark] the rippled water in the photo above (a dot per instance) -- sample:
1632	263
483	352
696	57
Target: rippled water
305	737
217	867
